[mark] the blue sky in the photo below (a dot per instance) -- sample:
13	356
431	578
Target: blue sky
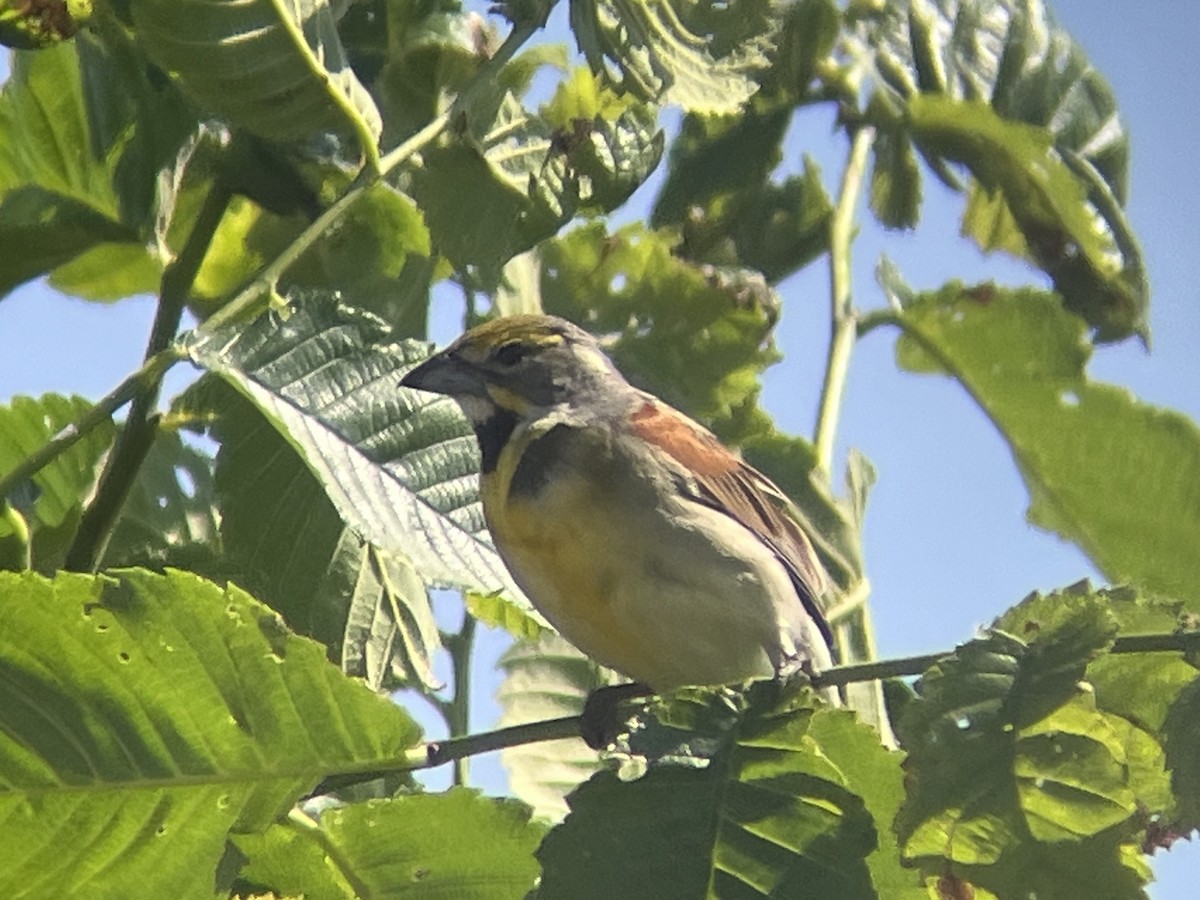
947	544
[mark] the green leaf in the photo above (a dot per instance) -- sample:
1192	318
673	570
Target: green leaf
1060	230
972	74
277	70
696	336
456	844
53	499
84	133
147	716
1012	764
895	180
1182	743
400	469
705	57
286	542
1117	477
777	812
1140	687
547	678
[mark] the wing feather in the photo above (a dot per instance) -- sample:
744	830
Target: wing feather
724	482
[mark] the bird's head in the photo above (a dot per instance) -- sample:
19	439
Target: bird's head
518	367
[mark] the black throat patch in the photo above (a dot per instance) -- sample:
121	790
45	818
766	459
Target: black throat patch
493	433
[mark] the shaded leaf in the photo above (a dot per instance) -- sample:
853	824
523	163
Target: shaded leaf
287	543
175	712
1117	477
455	844
1058	229
1051	192
774	813
171	507
729	211
1182	742
547	678
279	71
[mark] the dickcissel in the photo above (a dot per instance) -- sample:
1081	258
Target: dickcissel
643	540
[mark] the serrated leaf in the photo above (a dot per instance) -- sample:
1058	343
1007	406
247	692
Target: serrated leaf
547	678
278	70
1009	756
456	844
287	542
1119	478
1139	687
777	812
401	469
176	712
895	180
703	56
696	336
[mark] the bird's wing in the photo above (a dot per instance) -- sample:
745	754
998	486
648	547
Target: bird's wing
721	480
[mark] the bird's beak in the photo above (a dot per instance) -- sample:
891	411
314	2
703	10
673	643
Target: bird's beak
445	373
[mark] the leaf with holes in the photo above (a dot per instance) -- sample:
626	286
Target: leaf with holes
457	844
399	467
1119	478
147	717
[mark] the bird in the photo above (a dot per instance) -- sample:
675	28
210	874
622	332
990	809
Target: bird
648	544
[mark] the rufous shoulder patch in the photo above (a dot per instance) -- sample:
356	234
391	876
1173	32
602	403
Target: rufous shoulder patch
694	448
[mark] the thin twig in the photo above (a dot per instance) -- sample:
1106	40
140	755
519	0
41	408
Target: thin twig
267	281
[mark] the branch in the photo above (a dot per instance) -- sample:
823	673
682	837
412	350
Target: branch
438	753
100	519
266	283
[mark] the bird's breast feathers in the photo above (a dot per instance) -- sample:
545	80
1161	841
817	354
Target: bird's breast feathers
666	590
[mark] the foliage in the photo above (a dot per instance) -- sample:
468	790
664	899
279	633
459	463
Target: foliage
200	711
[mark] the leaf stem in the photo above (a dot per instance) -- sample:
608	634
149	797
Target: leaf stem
100	519
19	532
843	330
266	283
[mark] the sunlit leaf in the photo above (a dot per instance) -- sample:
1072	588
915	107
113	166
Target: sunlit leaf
399	467
147	716
456	844
702	56
1119	478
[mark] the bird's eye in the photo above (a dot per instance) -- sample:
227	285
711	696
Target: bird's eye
509	355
